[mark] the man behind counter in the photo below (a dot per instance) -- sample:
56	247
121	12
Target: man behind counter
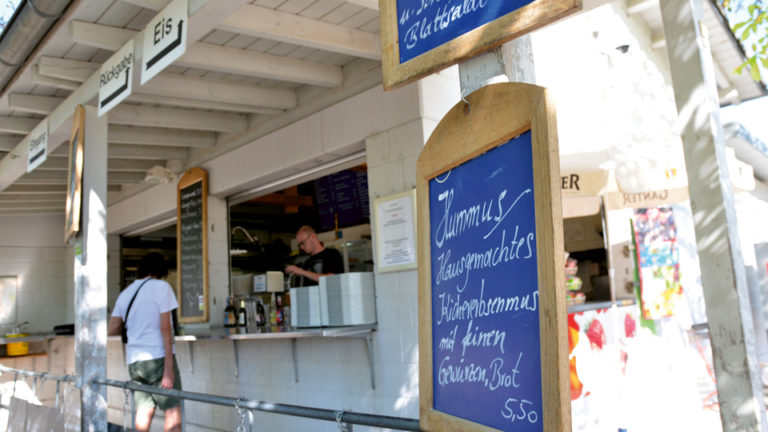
321	262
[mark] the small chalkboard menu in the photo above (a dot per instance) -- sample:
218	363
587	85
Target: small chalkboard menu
422	36
192	246
493	345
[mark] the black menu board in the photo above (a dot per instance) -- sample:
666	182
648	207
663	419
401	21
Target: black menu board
342	195
192	245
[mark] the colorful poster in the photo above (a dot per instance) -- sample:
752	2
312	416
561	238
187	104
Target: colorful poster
658	261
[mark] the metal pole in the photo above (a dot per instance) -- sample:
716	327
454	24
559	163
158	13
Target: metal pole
351	417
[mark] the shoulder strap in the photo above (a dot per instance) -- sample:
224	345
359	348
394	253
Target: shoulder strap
132	299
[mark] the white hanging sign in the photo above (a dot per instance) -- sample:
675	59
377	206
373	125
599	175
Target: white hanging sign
38	145
115	78
396	232
165	39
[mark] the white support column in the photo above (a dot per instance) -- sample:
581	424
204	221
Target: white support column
91	276
513	61
740	391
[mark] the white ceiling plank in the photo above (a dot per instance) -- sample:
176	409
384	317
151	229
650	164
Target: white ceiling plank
637	6
135	152
99	36
119	134
8	142
129	165
54	164
16	125
155	5
251	63
61	163
32	103
15	189
43	177
26	207
73	70
320	9
48	197
204	18
198	104
126	151
370	4
271	24
219	91
177	118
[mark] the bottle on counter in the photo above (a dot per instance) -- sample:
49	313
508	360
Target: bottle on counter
260	318
273	311
279	309
230	315
242	316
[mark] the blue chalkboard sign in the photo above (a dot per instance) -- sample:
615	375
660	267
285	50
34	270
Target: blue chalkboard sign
425	24
485	306
420	37
492	313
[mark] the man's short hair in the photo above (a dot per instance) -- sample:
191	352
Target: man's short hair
306	229
153	264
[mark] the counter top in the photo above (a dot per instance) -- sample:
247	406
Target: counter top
277	332
599	305
37	337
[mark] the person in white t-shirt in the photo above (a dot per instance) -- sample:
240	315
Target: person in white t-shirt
149	352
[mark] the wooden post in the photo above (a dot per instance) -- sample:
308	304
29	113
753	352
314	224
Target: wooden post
91	277
740	392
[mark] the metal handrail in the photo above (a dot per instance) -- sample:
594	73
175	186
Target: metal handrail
338	416
342	416
42	375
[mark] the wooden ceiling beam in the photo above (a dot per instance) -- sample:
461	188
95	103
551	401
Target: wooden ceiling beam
280	26
100	36
120	134
17	125
196	88
33	198
33	104
175	118
255	64
177	90
370	4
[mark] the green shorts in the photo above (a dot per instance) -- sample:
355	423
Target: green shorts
150	372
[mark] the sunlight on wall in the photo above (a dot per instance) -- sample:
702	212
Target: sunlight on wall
614	101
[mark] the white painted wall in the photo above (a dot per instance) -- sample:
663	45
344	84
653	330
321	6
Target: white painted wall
32	248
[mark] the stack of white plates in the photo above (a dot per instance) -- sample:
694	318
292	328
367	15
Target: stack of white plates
347	299
305	307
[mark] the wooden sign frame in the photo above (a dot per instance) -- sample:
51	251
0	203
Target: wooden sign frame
484	38
75	175
190	178
494	115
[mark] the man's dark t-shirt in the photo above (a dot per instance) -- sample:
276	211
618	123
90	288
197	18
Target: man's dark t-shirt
327	261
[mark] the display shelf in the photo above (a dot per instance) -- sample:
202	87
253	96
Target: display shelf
32	338
364	332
